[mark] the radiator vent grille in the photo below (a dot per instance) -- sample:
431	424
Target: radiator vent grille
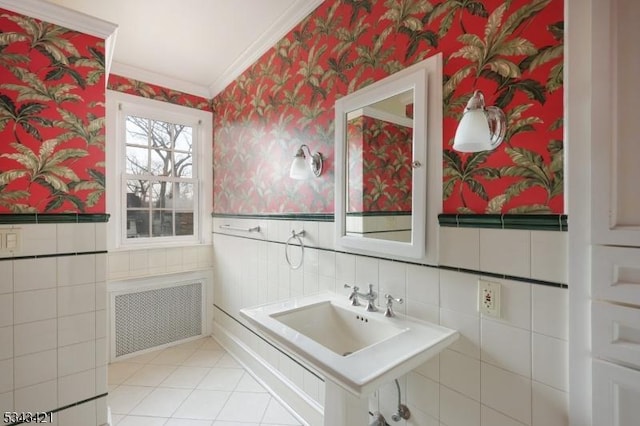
156	317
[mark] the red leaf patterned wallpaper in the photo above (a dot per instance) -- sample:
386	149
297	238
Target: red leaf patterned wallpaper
158	93
52	105
512	51
51	118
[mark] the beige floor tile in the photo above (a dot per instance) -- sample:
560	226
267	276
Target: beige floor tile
172	356
150	375
125	398
236	407
185	377
193	344
211	344
121	371
276	414
202	405
204	358
162	402
196	383
248	384
142	421
227	361
187	422
144	358
225	379
115	419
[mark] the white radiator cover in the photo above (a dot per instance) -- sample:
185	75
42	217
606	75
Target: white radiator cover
150	313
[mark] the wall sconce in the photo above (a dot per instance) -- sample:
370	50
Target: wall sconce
481	128
301	168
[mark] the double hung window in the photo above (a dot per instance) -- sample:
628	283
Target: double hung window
161	158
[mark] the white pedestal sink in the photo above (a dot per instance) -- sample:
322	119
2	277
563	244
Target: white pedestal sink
356	351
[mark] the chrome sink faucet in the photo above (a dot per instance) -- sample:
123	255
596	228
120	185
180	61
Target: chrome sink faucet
370	297
390	299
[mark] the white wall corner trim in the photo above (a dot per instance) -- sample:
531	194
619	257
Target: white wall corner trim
151	77
62	16
296	13
577	136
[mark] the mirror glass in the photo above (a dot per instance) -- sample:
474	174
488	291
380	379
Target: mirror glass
379	155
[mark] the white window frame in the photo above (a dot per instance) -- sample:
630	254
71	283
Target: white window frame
119	106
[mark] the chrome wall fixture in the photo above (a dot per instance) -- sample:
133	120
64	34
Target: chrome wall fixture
301	168
295	236
481	128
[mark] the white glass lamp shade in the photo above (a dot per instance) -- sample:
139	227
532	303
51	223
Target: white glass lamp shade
300	168
480	129
473	132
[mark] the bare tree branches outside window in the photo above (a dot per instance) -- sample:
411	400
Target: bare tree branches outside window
159	180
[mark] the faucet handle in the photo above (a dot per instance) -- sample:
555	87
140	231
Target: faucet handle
390	299
353	297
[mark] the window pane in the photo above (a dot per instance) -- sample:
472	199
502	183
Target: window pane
161	163
137	223
184	223
160	193
137	130
162	223
182	196
160	135
183	165
138	193
184	136
137	160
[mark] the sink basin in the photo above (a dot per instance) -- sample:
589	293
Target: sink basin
336	328
356	349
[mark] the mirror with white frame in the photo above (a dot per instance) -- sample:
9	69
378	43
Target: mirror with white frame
384	160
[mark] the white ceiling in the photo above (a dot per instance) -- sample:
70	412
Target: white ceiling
195	46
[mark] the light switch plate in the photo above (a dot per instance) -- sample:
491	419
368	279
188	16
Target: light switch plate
10	240
489	298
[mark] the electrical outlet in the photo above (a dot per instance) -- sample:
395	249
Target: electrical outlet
489	298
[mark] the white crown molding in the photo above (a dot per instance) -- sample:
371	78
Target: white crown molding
59	15
289	19
151	77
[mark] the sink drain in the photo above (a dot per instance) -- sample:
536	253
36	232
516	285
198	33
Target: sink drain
347	353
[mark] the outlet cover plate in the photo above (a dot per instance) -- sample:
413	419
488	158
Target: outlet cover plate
489	298
10	240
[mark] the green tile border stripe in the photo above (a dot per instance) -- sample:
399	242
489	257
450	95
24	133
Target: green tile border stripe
534	222
35	218
311	217
375	214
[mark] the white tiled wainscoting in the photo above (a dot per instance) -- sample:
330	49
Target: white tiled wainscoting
53	323
136	263
501	372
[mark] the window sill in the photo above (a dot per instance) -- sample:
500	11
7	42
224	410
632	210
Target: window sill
151	246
